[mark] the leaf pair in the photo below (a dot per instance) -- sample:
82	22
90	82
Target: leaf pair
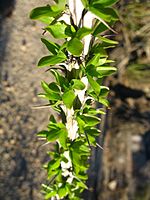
57	55
48	11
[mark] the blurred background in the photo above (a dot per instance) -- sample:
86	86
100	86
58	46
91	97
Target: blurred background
119	172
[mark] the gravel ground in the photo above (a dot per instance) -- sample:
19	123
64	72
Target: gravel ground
21	155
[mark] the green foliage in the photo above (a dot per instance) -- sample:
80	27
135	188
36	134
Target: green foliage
107	14
68	98
105	3
75	47
52	60
77	86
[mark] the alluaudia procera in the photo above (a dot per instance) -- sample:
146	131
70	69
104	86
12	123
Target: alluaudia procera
79	63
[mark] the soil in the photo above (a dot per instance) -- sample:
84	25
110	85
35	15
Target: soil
21	153
125	161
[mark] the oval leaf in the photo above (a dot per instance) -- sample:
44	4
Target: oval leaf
105	71
77	84
75	47
106	40
51	46
90	120
58	30
40	12
52	60
95	86
107	14
68	98
105	2
82	32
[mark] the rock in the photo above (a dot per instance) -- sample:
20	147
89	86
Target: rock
1	131
130	102
112	185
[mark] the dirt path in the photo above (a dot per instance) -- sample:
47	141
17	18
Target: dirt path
21	156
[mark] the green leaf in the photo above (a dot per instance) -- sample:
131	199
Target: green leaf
58	30
77	103
92	140
81	124
49	89
78	155
45	11
51	46
70	31
105	2
46	20
93	111
61	4
51	92
106	40
99	29
51	97
53	164
77	84
43	133
75	158
75	73
82	176
104	91
63	137
105	70
48	11
59	126
81	184
50	194
68	98
62	192
52	174
82	32
95	86
92	131
102	61
97	49
107	14
56	131
75	47
85	3
103	101
110	61
106	45
84	148
61	80
46	188
45	87
52	60
52	119
90	120
54	87
94	60
64	46
91	70
53	135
